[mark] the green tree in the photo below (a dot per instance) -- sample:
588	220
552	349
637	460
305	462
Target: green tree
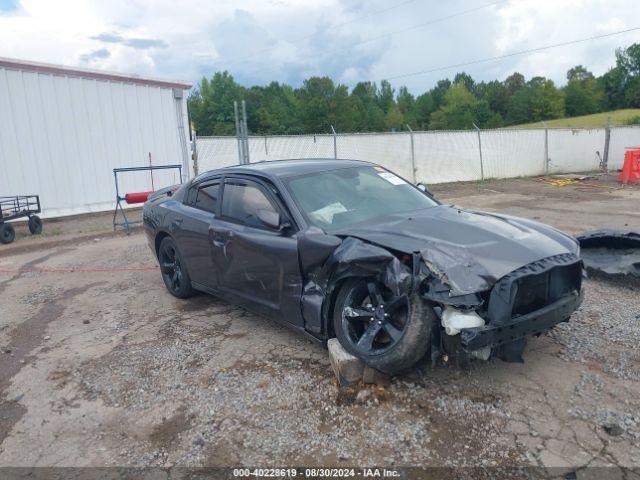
315	97
628	59
211	105
496	94
458	111
318	103
424	107
439	91
466	80
514	82
583	94
384	96
620	82
273	109
578	73
406	105
632	93
369	116
538	100
323	104
613	84
394	120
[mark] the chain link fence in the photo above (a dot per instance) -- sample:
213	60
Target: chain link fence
442	156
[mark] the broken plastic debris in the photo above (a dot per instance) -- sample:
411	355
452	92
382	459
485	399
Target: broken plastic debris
612	252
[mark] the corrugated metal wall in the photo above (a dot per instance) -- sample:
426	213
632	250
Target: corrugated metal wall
61	137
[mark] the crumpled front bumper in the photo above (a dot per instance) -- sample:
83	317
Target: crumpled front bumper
530	324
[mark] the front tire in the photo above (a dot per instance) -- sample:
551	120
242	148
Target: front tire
174	270
7	233
389	333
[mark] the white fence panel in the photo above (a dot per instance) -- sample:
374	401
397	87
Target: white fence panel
513	153
391	150
299	146
573	150
216	152
441	156
446	156
621	139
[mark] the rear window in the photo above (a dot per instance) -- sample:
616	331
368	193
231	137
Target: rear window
207	197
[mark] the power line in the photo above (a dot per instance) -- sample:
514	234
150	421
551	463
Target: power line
353	20
513	54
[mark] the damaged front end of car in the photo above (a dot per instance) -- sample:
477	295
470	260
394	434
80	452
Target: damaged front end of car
481	315
496	319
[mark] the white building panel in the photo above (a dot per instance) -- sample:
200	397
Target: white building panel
63	131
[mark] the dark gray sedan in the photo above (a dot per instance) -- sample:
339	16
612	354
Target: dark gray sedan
348	249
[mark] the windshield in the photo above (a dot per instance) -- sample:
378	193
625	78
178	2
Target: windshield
334	199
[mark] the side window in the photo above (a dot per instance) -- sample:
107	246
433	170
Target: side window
241	202
207	197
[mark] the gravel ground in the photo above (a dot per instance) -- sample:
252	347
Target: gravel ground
106	369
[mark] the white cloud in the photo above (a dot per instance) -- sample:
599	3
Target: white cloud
288	40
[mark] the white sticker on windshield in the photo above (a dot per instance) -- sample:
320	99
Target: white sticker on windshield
392	179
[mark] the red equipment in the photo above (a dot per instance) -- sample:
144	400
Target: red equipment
631	169
138	197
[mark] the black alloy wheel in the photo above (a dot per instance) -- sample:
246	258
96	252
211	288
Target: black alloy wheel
373	319
390	333
174	272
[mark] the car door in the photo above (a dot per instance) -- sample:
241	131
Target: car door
256	263
194	239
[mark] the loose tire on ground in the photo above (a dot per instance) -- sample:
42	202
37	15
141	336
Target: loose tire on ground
403	334
7	233
174	270
35	225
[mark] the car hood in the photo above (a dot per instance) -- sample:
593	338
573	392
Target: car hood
469	251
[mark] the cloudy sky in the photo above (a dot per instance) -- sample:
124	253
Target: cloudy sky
289	40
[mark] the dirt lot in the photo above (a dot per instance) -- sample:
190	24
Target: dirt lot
102	367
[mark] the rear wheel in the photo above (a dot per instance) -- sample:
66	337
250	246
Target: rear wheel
389	333
174	271
7	233
35	225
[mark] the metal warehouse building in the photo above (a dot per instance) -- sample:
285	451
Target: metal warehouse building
63	131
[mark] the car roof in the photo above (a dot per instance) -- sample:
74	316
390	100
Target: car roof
292	167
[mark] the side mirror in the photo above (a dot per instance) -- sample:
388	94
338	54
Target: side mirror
270	218
423	188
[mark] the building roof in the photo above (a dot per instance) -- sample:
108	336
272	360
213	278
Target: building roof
61	70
